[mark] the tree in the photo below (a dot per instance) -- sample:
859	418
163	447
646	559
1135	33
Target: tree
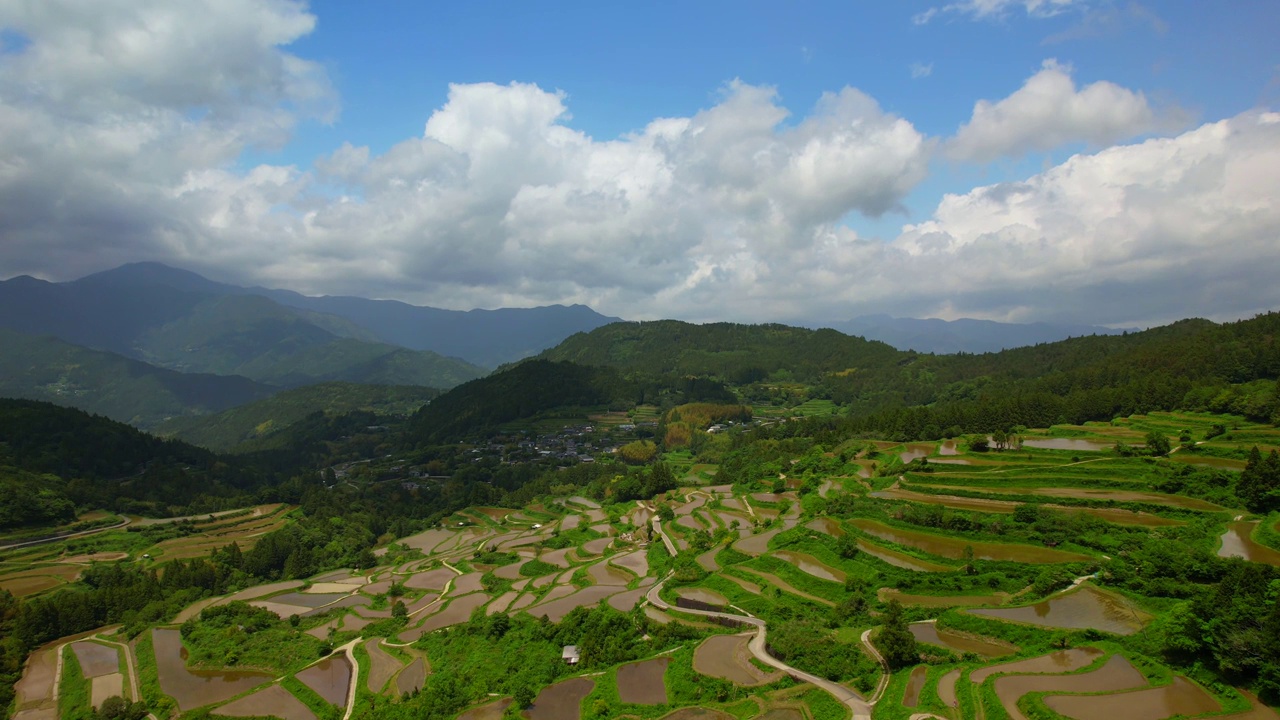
523	696
1157	443
847	547
978	443
895	640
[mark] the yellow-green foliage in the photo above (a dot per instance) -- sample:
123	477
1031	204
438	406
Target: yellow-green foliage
703	415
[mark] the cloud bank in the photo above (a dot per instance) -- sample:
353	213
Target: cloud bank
112	153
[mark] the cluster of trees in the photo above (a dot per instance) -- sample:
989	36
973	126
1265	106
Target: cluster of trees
1259	484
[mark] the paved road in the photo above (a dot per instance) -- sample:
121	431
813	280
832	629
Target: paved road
861	707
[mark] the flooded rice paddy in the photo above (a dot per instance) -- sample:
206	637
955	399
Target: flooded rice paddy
458	611
1181	697
412	677
562	701
826	525
273	701
1113	495
901	559
382	665
954	548
727	657
96	659
330	679
887	594
1115	674
915	684
697	713
1086	607
625	602
489	711
556	609
1119	516
602	573
707	560
811	565
1238	542
960	643
703	595
947	688
641	683
194	688
1055	662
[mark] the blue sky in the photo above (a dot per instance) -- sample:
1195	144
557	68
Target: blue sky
281	143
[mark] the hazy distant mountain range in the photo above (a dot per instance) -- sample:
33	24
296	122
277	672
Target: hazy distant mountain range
963	335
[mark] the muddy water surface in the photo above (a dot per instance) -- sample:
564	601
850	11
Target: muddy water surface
1068	444
954	548
915	683
382	665
96	659
194	688
273	701
489	711
1238	542
641	683
726	657
811	565
1087	607
1055	662
412	677
887	594
947	689
1115	674
1119	516
562	701
928	632
1181	697
704	595
901	559
329	678
826	525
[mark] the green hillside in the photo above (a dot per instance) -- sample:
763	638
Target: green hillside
260	339
225	430
44	368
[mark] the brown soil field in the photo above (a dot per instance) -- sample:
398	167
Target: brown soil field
376	588
30	584
354	623
510	572
330	678
727	657
105	686
308	600
641	683
704	595
562	701
382	666
427	541
1181	697
597	546
274	701
37	680
96	659
523	601
556	557
811	565
1115	674
489	711
194	688
322	631
412	677
262	590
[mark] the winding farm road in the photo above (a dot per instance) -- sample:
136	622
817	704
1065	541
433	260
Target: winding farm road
860	706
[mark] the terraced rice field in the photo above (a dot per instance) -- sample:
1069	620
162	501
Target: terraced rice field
727	657
1082	608
195	688
330	679
641	683
1116	674
1181	697
954	548
272	701
562	701
960	643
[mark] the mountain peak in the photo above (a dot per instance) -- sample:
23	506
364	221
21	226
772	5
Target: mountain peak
153	273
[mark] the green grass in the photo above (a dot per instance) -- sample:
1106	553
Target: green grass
311	699
149	679
74	689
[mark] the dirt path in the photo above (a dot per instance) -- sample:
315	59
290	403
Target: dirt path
861	708
883	684
657	527
67	536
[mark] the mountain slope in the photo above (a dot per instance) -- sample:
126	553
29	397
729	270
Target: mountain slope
103	383
736	353
174	320
224	430
486	338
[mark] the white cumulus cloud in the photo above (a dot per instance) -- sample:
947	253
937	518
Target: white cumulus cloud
1049	111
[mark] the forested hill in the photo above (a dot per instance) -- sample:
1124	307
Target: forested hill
735	353
268	417
540	386
104	383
